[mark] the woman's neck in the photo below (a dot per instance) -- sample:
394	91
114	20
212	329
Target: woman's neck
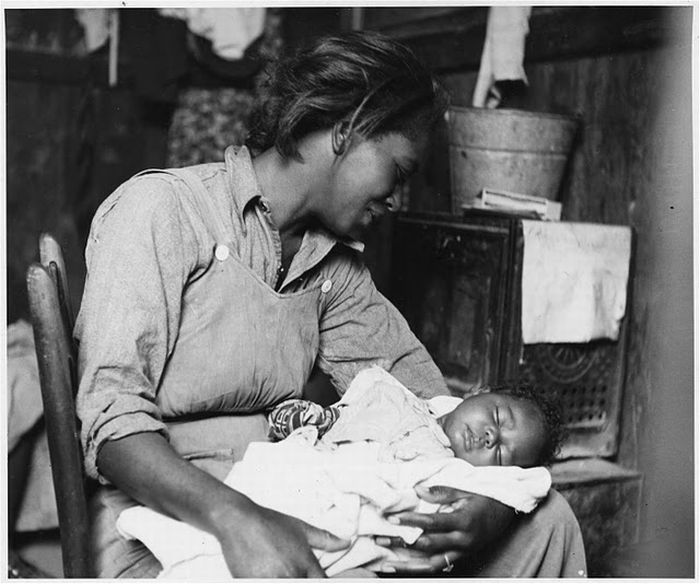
290	186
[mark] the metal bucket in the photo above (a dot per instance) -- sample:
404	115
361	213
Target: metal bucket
506	149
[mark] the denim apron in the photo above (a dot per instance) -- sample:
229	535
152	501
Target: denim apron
212	392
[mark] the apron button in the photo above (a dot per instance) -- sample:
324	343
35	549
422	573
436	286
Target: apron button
221	252
326	286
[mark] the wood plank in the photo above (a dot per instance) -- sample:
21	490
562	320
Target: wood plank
38	67
450	40
589	470
397	17
406	23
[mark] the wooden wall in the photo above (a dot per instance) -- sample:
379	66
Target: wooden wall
70	141
626	72
660	408
68	147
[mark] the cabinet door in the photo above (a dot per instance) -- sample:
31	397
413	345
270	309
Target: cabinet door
450	282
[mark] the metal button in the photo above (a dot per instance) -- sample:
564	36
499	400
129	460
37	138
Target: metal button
221	252
326	286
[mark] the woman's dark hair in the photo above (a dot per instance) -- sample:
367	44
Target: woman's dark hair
366	79
555	432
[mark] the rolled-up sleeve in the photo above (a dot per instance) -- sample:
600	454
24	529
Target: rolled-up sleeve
140	252
359	327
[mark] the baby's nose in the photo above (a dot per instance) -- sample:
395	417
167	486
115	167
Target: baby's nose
393	201
491	437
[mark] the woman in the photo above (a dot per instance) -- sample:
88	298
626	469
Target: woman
213	290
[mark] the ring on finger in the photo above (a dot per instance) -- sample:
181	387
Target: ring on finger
448	565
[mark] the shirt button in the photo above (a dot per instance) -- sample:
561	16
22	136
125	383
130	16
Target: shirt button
326	286
221	252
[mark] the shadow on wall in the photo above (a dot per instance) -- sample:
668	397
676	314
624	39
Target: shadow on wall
661	371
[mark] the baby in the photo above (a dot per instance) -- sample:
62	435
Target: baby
347	468
506	425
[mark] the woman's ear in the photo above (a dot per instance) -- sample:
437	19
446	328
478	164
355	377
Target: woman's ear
340	137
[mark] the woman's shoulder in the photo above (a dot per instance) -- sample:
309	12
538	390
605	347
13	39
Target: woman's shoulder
206	172
164	183
155	202
158	190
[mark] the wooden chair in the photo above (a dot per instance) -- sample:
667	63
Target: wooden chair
52	320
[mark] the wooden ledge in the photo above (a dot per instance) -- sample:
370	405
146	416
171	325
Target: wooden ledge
589	471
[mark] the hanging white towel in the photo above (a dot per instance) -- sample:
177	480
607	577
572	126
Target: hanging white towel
230	30
574	283
96	26
99	26
503	53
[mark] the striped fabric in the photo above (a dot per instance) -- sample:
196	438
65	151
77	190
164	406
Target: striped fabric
295	413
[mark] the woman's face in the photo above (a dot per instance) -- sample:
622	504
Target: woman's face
366	182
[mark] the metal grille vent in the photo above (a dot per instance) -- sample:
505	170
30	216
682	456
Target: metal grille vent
586	378
585	406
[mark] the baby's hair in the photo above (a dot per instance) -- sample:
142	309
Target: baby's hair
555	432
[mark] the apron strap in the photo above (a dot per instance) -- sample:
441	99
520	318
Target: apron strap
202	199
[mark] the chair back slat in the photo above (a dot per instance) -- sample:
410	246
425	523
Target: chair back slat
51	257
57	375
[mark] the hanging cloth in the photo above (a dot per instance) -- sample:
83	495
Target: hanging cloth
230	30
503	53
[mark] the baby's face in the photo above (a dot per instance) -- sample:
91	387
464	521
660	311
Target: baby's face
495	429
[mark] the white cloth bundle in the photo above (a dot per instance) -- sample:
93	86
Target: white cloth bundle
230	30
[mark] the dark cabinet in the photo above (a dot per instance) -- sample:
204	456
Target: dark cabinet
457	280
453	281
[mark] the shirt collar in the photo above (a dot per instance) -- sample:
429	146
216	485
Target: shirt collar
244	187
242	181
326	239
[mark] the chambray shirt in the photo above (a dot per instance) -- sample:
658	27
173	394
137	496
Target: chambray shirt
180	317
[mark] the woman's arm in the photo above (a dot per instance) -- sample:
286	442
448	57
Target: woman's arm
359	328
256	542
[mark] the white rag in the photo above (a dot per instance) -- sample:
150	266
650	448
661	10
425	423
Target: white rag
503	53
230	30
345	488
95	23
574	283
25	408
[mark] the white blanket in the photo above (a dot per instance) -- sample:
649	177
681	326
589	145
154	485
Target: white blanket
345	488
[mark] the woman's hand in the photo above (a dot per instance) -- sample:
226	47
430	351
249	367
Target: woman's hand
475	522
263	543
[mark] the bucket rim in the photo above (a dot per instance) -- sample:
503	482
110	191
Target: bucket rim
514	111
